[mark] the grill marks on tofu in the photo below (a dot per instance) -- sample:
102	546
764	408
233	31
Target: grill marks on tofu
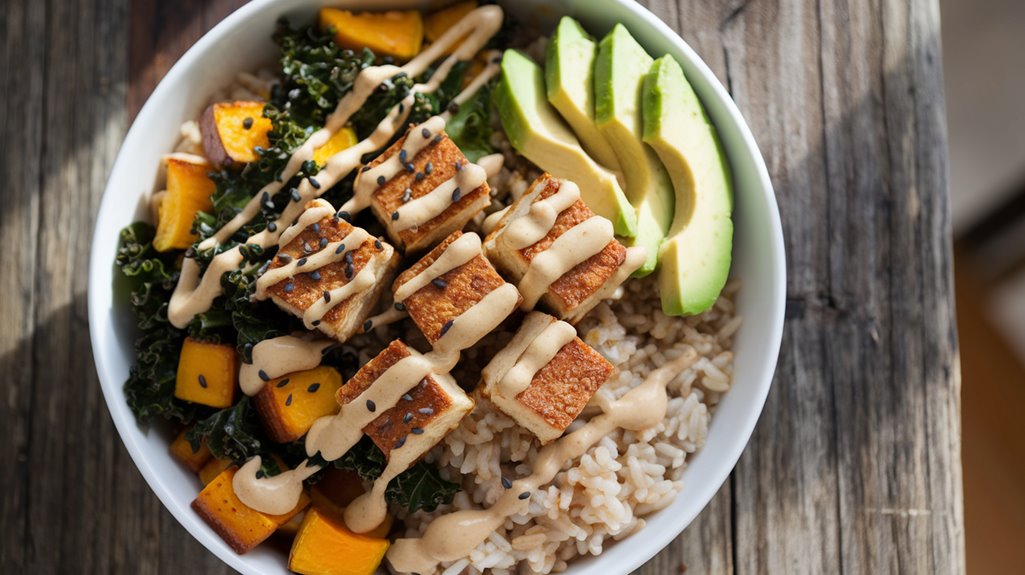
545	377
422	416
370	263
444	298
577	291
433	167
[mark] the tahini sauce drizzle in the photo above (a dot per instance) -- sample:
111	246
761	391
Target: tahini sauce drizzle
195	294
279	356
454	536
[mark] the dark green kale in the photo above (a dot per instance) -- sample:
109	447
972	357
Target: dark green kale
150	279
470	127
235	433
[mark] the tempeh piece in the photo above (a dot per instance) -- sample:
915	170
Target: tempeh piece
545	376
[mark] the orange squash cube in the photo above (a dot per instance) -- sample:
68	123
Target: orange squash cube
232	131
188	192
212	469
438	22
395	33
241	527
207	373
340	140
181	449
336	490
325	546
289	405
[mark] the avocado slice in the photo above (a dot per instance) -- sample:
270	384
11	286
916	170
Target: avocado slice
695	258
569	79
536	131
619	72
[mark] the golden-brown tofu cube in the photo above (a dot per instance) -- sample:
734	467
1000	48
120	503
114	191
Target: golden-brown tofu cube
558	391
436	306
298	293
289	405
241	527
425	414
577	291
440	161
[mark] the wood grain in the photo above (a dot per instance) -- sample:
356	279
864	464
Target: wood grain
855	463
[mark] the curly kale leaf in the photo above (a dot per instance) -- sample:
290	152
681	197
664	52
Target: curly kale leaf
232	433
470	127
150	277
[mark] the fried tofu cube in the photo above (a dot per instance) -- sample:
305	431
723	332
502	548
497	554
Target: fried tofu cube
437	305
577	291
325	546
181	449
558	390
397	201
289	405
298	292
207	373
424	415
241	527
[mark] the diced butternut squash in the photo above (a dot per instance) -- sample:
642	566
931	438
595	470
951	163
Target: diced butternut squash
325	546
207	373
289	405
291	528
340	140
181	449
212	469
241	527
232	131
336	490
188	192
398	34
437	23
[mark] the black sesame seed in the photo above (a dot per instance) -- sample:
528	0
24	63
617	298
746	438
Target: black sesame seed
266	198
426	411
402	107
327	297
524	495
439	283
399	443
407	195
409	167
313	388
506	483
371	406
425	133
344	215
323	243
289	287
283	382
417	431
407	397
272	227
315	276
315	322
403	154
456	194
288	400
428	168
418	177
378	245
381	180
348	258
314	183
400	306
437	139
349	271
446	327
340	249
459	165
263	375
368	325
407	418
202	381
453	107
301	262
247	123
296	196
284	258
316	228
394	215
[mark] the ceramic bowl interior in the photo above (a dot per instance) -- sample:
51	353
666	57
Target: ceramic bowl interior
242	42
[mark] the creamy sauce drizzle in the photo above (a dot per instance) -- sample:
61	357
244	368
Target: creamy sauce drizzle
537	355
195	294
572	248
454	536
280	356
459	252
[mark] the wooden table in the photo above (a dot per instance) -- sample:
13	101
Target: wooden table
855	465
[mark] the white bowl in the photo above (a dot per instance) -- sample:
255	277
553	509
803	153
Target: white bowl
242	42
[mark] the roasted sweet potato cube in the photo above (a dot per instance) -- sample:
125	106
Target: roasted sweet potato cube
207	373
423	415
437	305
297	293
437	163
181	449
187	193
580	289
395	33
241	527
438	22
557	392
336	489
340	140
212	468
325	546
289	405
232	131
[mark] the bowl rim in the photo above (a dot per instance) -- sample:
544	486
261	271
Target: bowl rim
127	427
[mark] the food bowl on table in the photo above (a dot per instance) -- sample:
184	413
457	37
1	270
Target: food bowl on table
241	43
